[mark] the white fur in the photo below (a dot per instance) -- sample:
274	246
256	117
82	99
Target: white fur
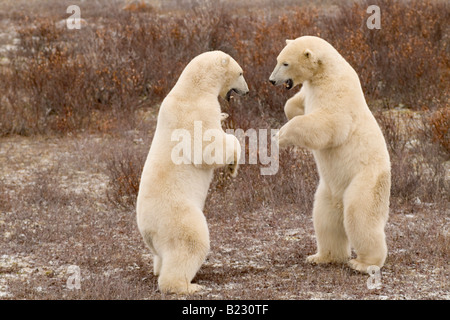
171	197
330	116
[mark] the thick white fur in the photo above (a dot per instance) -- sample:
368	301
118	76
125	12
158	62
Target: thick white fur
330	116
171	197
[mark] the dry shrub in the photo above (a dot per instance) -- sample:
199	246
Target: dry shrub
404	62
124	168
417	162
138	6
440	123
58	78
294	183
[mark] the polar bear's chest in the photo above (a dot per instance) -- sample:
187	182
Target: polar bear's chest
309	103
310	98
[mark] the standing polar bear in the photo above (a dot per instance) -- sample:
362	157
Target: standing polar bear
330	116
175	181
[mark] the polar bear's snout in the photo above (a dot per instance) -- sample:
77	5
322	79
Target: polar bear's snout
273	77
277	78
240	92
241	87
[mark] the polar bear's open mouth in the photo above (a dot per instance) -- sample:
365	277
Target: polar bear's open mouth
289	84
239	92
228	96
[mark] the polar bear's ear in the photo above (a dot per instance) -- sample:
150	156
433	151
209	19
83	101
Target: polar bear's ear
288	41
225	61
310	55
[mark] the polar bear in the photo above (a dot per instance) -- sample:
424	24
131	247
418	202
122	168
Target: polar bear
329	116
172	193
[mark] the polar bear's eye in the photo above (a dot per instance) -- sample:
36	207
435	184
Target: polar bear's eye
285	64
240	74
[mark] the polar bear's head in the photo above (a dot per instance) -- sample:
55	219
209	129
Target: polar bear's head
299	61
215	72
232	76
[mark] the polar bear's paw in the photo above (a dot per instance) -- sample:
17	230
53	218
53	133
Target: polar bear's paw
318	259
223	116
189	289
193	288
358	265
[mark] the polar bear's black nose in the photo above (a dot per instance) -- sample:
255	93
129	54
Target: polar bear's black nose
272	82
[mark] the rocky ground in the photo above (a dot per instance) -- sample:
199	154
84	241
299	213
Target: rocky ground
55	212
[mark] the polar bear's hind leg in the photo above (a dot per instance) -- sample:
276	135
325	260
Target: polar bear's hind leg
332	241
184	253
365	215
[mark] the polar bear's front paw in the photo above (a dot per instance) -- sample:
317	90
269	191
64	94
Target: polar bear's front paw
181	289
280	139
317	259
193	288
223	116
358	266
